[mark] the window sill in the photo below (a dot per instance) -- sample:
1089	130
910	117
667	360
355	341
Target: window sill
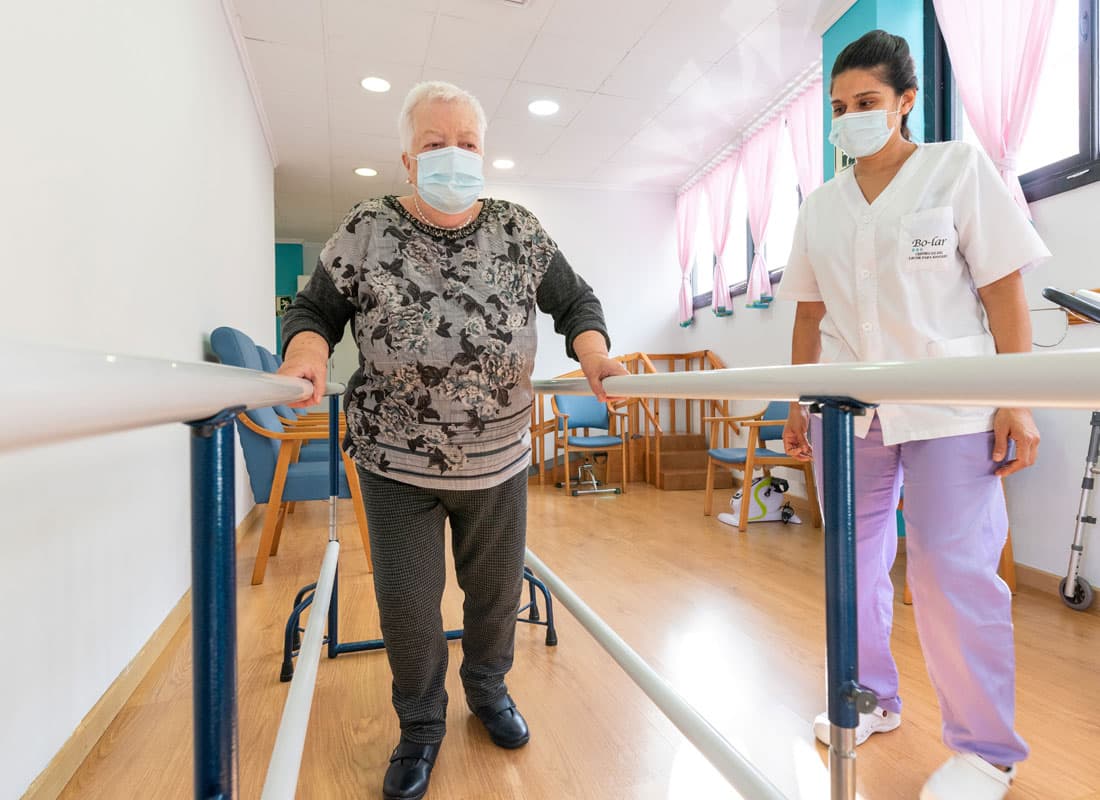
1049	181
736	290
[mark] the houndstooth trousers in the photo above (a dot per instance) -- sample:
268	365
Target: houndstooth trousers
488	537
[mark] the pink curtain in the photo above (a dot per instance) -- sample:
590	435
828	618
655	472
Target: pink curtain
687	217
719	188
997	49
805	126
758	160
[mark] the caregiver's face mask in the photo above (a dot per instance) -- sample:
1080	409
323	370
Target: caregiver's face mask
449	179
863	133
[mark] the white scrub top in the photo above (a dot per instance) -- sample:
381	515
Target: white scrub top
899	276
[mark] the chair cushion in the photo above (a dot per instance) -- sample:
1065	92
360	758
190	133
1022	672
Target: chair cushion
737	455
308	480
595	441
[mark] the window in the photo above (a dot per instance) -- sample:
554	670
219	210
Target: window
737	244
737	265
702	277
785	202
1060	150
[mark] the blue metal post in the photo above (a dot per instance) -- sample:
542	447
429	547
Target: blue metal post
846	697
214	607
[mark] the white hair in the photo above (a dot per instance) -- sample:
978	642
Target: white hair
429	91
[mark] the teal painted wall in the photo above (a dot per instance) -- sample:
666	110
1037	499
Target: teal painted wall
901	17
288	266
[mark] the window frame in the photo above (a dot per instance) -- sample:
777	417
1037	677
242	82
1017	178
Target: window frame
1059	176
740	288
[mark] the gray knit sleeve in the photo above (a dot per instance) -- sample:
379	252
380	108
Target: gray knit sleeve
328	301
565	296
320	308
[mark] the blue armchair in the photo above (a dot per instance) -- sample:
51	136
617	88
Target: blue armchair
277	473
573	413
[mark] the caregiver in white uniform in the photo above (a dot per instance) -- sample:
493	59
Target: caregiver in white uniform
916	252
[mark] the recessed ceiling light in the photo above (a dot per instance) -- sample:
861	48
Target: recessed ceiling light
373	84
366	172
504	163
543	108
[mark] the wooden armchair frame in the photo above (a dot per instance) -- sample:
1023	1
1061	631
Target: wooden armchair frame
277	510
615	419
754	422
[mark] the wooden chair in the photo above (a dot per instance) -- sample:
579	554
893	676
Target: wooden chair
280	479
763	427
574	413
287	461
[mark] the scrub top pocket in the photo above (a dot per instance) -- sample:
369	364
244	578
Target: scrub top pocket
928	241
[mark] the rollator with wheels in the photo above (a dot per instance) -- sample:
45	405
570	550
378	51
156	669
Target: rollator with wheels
1074	590
292	638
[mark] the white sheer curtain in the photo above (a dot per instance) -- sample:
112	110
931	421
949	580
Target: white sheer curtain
719	186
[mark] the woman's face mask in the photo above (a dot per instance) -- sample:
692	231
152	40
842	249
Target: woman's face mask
449	179
862	133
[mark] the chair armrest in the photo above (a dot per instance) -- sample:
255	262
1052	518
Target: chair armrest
746	418
300	435
764	423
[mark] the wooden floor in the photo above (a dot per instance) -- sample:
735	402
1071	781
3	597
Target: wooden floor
734	621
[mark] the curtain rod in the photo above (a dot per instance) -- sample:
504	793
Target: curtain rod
787	94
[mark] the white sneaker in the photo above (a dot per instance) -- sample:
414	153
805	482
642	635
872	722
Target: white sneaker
878	721
967	777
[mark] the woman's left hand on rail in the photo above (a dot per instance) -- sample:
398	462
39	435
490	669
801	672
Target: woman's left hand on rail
1018	425
307	357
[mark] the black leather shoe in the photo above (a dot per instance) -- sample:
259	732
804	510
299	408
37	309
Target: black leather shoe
410	771
506	726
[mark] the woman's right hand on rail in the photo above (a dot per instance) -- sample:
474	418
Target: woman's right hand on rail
307	357
795	442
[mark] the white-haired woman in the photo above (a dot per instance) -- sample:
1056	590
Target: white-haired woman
441	288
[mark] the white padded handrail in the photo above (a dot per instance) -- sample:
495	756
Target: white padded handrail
50	394
1065	379
742	775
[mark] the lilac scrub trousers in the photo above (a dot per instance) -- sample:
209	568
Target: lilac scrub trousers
956	525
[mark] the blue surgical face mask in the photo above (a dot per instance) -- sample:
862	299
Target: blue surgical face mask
449	179
862	133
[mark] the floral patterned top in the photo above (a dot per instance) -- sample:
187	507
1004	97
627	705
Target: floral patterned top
445	323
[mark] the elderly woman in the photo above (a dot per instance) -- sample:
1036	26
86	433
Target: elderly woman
441	288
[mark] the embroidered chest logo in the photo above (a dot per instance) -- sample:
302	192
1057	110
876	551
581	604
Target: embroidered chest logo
931	249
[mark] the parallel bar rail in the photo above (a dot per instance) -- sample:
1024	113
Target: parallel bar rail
120	393
1064	379
117	392
286	758
735	768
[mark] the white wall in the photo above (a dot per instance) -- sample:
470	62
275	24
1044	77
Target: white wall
623	244
136	215
1042	501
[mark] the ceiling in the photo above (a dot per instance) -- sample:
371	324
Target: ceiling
648	89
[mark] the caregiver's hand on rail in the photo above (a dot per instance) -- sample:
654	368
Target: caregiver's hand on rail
795	443
805	349
307	357
1015	424
591	350
1010	323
